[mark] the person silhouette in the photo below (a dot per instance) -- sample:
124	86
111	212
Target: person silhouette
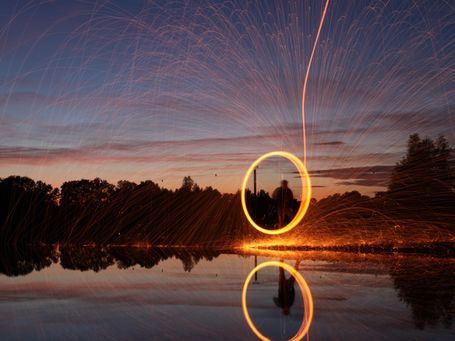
286	291
283	198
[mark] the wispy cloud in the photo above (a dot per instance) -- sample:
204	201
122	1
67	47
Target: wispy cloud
378	175
330	143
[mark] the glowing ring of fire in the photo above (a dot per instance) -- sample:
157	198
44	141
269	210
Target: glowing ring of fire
305	199
306	293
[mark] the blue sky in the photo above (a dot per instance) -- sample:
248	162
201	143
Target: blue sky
159	90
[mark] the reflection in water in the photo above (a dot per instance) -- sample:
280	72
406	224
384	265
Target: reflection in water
287	292
425	284
427	288
22	261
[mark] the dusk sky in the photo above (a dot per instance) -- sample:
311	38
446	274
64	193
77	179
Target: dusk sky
162	89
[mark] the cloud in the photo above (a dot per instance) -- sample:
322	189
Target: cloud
113	153
210	149
442	118
329	143
235	150
363	182
360	176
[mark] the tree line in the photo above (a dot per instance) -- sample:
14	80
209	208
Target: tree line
421	192
95	211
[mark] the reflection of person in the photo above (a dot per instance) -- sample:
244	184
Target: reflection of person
286	291
283	198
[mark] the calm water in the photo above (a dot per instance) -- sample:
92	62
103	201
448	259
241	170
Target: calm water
151	294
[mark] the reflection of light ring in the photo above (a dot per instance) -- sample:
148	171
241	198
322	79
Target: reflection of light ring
308	303
305	199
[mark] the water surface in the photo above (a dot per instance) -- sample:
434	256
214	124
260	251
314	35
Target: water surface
143	294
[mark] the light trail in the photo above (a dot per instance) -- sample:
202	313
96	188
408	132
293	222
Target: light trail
305	196
306	297
305	201
305	82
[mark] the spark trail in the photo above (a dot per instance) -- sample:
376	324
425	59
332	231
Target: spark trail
305	82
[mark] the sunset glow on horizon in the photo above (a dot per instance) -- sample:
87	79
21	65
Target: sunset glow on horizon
162	90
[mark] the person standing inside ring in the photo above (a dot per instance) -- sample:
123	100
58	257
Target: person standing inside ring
283	198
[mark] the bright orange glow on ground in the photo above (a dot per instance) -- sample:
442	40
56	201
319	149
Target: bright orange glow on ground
305	199
306	295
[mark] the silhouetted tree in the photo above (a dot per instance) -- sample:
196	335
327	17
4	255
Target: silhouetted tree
82	192
124	185
189	185
97	212
26	209
422	184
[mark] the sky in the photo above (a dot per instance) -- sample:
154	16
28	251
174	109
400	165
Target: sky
159	90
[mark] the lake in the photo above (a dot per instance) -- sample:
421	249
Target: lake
193	294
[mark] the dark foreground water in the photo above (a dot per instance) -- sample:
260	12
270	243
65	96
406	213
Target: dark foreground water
159	294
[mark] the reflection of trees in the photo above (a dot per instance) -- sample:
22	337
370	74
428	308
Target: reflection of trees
427	287
85	258
190	259
425	284
129	257
150	257
21	262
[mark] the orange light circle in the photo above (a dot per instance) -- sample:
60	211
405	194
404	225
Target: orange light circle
306	293
305	199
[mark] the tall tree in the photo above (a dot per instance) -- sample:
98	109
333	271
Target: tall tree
422	183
